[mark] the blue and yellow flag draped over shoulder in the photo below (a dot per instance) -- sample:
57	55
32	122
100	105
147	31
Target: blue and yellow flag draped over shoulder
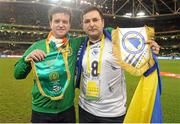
134	56
49	73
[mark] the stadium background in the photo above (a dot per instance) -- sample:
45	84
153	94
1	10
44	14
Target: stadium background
24	22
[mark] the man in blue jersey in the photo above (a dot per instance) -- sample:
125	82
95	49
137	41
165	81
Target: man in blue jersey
103	95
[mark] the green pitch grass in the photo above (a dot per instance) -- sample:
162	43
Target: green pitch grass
15	95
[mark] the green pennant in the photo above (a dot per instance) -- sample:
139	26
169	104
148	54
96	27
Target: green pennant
51	76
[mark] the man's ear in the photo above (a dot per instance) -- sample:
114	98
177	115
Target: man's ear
50	23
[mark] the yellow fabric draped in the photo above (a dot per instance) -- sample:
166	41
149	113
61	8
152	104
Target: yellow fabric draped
142	103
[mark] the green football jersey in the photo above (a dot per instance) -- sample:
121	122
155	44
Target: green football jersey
41	103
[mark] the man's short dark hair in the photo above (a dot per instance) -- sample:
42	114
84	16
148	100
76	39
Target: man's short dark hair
58	9
92	8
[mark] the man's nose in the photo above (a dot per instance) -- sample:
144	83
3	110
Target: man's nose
61	23
91	23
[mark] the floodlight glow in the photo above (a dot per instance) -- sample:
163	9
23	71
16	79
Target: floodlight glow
141	13
128	15
85	2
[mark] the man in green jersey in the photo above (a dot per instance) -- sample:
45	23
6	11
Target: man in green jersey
46	109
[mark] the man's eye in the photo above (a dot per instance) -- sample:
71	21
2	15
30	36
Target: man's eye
56	21
65	22
95	20
86	21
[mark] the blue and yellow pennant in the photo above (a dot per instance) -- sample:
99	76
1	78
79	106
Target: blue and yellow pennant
145	106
